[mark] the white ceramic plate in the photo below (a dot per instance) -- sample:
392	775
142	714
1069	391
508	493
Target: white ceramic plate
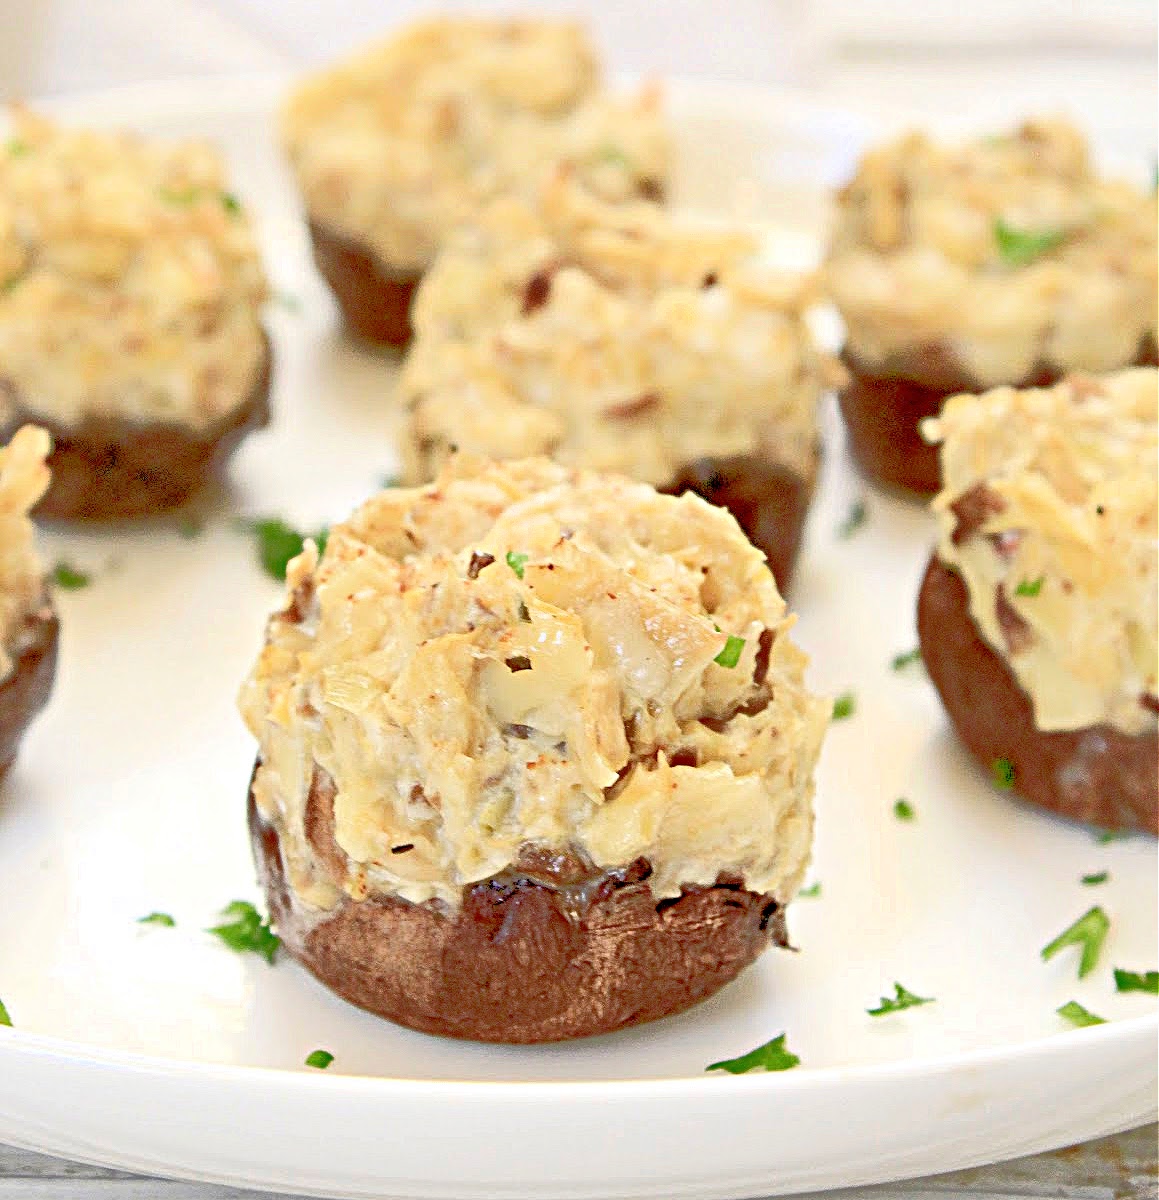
158	1049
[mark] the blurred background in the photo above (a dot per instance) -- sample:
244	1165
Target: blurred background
988	59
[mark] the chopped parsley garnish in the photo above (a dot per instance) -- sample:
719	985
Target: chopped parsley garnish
1089	932
244	930
5	1019
66	576
901	999
810	893
1137	981
1002	772
230	203
731	653
772	1056
319	1059
844	706
388	481
18	148
1105	836
901	661
1030	587
157	918
288	301
1017	247
904	810
517	562
1078	1016
9	284
279	542
858	515
1095	878
190	527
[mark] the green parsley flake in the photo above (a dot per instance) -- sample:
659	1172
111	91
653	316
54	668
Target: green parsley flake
245	931
1135	981
1094	879
904	810
10	284
809	893
319	1059
288	301
1105	836
858	515
18	148
1030	587
1002	772
517	562
901	999
772	1056
278	543
844	706
230	203
5	1019
190	527
66	576
157	918
1078	1016
609	152
1018	247
1089	932
901	661
731	653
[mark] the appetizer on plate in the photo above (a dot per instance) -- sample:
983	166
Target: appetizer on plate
1037	615
130	290
28	625
535	754
1004	260
615	338
396	147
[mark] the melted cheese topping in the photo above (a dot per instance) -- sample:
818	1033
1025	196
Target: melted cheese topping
410	138
24	478
610	337
1062	570
129	279
916	259
468	704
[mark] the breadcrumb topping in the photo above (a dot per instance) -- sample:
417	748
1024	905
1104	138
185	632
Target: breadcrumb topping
24	478
129	279
523	656
1048	511
1008	253
611	337
404	142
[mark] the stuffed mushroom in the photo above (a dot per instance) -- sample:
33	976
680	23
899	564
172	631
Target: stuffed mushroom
957	268
1037	614
28	625
396	147
535	754
614	337
130	294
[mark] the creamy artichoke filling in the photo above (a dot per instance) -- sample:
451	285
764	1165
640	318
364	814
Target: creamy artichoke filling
523	656
1005	253
24	478
407	140
130	283
1048	512
611	337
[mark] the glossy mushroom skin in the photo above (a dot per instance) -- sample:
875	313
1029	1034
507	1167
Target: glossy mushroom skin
110	468
1098	775
374	300
25	692
769	501
883	410
550	953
